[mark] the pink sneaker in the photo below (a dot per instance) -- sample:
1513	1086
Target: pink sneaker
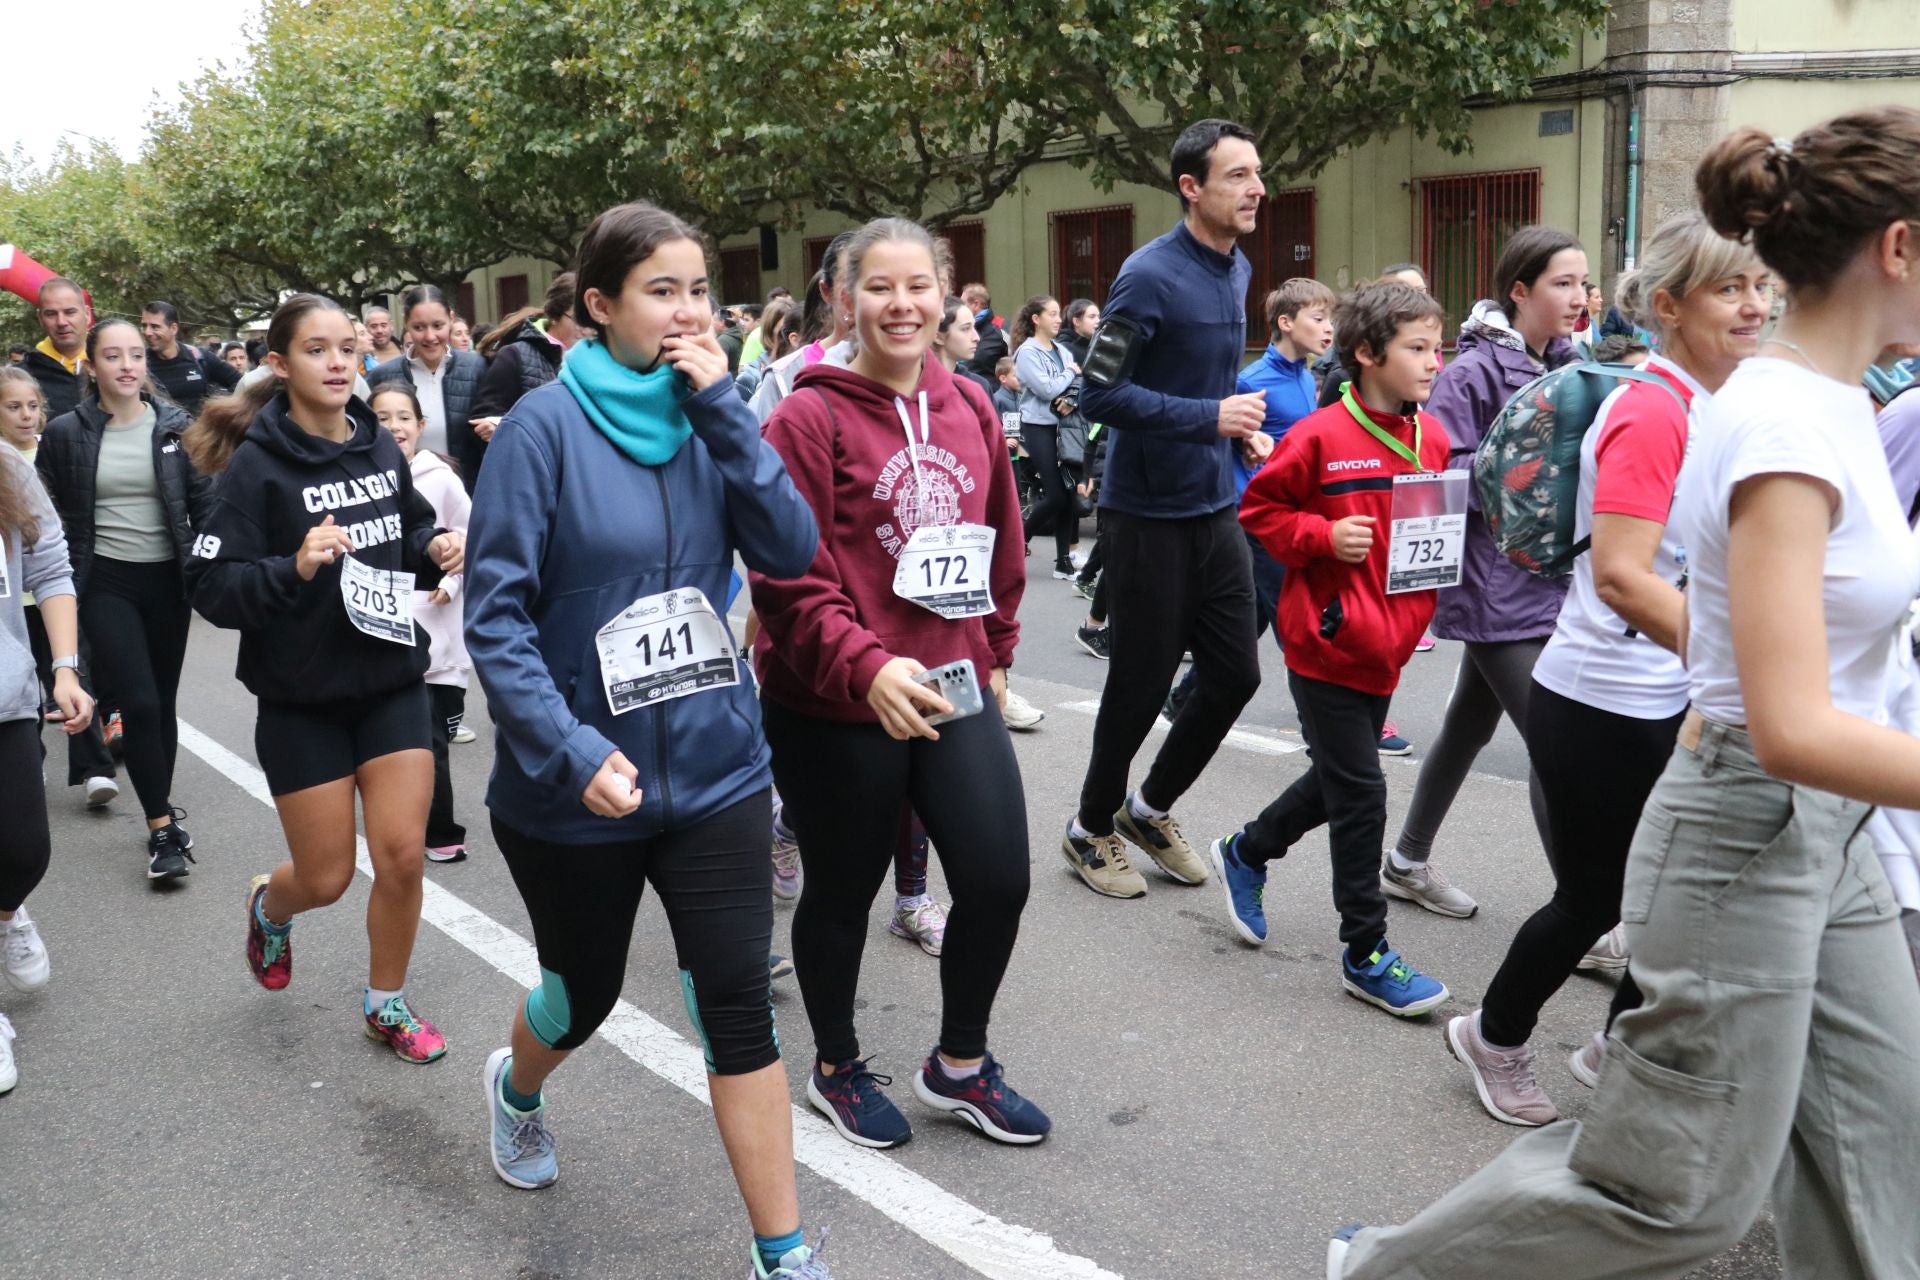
446	853
1425	645
412	1039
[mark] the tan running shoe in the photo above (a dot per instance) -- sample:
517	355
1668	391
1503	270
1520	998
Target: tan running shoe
1102	862
1160	839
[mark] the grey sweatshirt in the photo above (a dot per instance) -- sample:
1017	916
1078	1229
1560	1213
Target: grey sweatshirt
42	569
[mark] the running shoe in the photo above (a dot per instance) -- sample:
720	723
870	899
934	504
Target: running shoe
1161	840
179	816
778	966
984	1100
446	853
924	922
269	951
1246	890
1503	1078
411	1037
1337	1251
1083	587
1020	714
1063	570
114	733
168	853
519	1145
1101	861
1609	955
1095	641
1588	1059
1425	645
462	734
1390	983
9	1073
101	791
22	953
852	1099
1423	885
802	1263
1391	743
786	860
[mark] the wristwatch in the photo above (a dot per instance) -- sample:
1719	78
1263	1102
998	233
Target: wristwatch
71	662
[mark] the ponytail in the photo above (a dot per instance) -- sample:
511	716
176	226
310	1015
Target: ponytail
223	424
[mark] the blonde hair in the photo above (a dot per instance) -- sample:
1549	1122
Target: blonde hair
13	373
1684	254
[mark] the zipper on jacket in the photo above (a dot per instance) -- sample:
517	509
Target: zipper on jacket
660	723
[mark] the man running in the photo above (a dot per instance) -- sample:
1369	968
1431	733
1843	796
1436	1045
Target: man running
187	374
55	364
1161	373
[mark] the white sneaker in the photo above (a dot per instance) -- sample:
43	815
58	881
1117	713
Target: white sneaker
9	1074
463	734
1609	955
23	957
101	792
1586	1060
1078	559
1020	714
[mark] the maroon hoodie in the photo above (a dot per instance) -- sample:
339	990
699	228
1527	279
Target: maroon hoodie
826	634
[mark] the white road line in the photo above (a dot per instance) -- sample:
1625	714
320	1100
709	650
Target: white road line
1262	744
999	1250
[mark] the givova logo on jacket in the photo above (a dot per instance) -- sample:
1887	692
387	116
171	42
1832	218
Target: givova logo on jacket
929	497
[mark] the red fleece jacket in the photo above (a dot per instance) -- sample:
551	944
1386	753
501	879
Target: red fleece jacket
826	634
1326	468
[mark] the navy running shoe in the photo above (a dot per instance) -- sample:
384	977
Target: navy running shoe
1246	890
1391	983
851	1097
984	1100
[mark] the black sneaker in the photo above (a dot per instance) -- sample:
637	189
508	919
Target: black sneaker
1095	641
167	853
1063	569
1084	587
179	815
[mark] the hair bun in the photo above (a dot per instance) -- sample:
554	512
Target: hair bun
1746	182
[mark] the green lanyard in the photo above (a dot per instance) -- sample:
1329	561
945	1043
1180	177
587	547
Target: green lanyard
1360	416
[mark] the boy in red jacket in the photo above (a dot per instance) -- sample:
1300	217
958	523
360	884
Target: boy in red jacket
1323	507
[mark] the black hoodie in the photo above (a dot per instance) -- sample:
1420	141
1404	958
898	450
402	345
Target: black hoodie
296	643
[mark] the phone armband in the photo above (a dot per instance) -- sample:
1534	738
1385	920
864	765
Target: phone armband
1114	351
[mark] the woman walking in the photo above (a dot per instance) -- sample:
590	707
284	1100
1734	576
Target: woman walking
1046	372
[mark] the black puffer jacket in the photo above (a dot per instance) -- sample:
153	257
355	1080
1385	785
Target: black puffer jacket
60	389
458	390
525	360
69	463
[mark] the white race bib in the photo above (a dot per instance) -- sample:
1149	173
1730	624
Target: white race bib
944	568
1429	531
663	647
379	601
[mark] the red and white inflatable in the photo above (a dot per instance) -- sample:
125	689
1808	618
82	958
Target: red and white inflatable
22	275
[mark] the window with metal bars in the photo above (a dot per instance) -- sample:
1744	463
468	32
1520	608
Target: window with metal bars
1461	225
968	240
1088	247
1280	248
739	275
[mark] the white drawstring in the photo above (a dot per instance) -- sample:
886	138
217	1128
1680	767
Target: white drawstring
913	452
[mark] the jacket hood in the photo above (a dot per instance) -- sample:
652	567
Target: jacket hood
426	462
274	429
1489	323
876	399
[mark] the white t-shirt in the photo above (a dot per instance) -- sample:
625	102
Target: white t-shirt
1630	463
430	386
1776	416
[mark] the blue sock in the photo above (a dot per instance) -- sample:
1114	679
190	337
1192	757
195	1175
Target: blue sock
518	1101
260	914
773	1248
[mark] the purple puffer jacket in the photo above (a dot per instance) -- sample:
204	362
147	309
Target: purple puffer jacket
1496	600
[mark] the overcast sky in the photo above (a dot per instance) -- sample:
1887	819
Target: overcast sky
99	68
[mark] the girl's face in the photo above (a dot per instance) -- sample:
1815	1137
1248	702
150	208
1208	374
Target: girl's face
1553	304
318	364
963	337
462	338
119	361
429	331
664	296
564	330
1087	321
395	411
896	302
19	413
1047	322
363	336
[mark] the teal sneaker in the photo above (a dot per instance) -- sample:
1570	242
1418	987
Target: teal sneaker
520	1146
802	1263
1391	983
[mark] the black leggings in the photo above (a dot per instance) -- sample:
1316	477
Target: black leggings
1596	769
87	754
843	785
1055	509
716	884
25	842
136	617
449	705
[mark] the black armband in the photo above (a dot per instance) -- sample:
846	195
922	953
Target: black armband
1114	351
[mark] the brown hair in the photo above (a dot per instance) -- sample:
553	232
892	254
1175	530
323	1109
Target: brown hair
1811	205
223	423
619	240
90	385
1372	314
556	306
1525	260
781	319
1294	296
1023	323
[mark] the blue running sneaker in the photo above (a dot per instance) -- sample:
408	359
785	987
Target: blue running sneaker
1337	1251
852	1099
1391	983
983	1100
520	1146
795	1264
1245	888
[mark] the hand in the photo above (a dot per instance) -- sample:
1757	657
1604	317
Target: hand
484	427
1259	446
1353	538
615	790
1084	488
698	356
75	703
1241	416
997	681
325	543
439	596
897	700
449	551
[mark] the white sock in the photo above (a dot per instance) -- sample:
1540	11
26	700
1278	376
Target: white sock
1401	863
913	903
1079	832
377	999
1141	809
954	1073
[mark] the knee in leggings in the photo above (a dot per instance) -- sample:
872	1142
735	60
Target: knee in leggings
563	1015
732	1013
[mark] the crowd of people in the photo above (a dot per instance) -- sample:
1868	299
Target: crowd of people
1710	658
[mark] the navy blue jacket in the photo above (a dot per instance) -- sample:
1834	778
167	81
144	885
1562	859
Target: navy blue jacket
1168	459
568	531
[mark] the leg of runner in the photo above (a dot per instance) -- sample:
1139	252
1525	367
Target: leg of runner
446	837
25	849
917	915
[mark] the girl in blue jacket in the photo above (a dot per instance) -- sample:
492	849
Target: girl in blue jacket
629	746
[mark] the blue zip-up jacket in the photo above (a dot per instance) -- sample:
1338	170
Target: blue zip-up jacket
1292	393
1168	459
568	531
